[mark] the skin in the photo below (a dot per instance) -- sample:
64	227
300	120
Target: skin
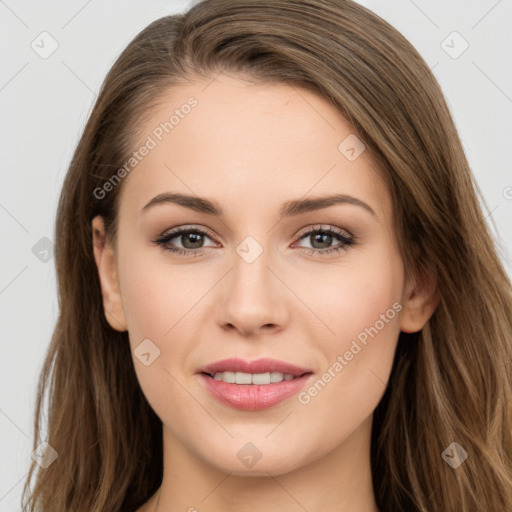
251	148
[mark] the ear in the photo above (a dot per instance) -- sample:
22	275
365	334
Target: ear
420	300
106	264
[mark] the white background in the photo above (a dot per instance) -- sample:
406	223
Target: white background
44	105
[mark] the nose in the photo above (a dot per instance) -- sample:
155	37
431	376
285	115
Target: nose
252	297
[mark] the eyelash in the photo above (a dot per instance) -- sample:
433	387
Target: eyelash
163	241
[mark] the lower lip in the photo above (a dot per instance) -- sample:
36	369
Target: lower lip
253	397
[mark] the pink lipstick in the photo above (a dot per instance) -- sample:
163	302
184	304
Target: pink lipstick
253	385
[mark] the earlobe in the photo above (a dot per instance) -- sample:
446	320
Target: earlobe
419	304
105	262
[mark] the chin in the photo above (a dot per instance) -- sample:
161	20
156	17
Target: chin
258	470
260	465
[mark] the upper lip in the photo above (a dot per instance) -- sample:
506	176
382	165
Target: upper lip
258	366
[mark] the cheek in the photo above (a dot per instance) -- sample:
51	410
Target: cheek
155	307
155	294
351	296
361	304
163	302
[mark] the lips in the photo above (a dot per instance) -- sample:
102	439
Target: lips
258	366
253	397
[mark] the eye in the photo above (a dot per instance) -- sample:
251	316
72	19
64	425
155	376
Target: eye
321	239
190	238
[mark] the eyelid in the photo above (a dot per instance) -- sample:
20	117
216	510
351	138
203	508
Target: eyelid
324	227
187	227
346	240
305	231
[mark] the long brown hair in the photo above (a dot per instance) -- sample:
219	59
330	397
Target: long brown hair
451	382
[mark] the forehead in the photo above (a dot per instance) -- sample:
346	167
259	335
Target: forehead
241	143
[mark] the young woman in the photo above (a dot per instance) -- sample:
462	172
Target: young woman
277	288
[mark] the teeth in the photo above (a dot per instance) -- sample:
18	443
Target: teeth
243	378
252	378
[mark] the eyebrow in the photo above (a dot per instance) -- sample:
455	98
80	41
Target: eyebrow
288	209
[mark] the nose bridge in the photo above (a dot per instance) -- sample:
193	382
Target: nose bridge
251	273
251	293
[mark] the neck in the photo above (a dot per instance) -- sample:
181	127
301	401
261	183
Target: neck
339	481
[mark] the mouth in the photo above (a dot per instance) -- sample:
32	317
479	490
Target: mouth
259	368
255	379
253	385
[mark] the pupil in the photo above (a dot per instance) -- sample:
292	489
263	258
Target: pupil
195	244
327	240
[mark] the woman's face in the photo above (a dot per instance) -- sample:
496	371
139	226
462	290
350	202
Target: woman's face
259	281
